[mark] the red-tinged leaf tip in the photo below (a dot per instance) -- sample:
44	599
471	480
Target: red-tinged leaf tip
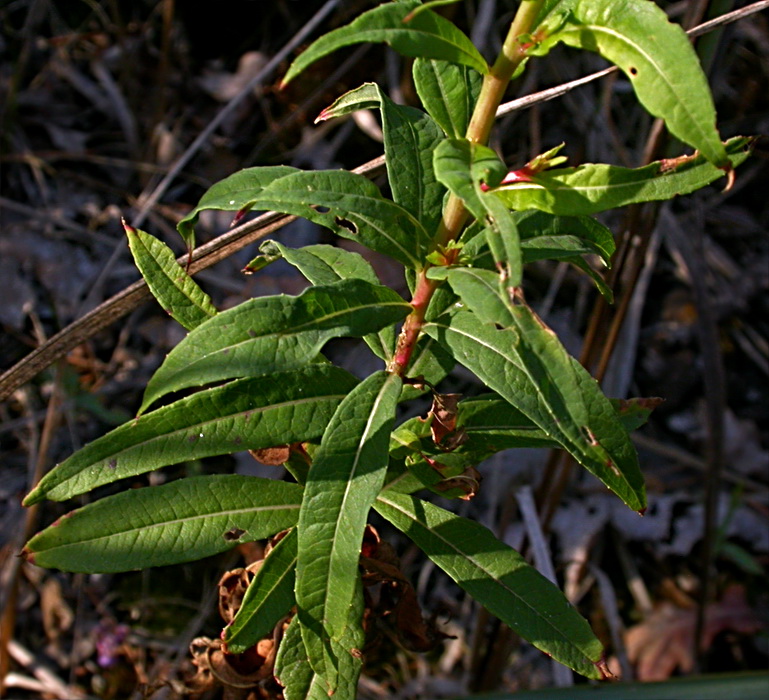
322	116
642	512
238	216
27	555
127	227
603	669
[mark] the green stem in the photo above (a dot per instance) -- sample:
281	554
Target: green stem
455	214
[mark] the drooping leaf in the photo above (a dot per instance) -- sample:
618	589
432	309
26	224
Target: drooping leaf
658	59
293	670
277	333
279	409
524	362
548	237
410	137
169	283
545	236
234	193
352	207
498	577
504	241
347	473
325	264
448	93
462	166
595	187
268	598
181	521
427	35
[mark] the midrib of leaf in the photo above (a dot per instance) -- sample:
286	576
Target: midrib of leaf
167	523
478	566
229	416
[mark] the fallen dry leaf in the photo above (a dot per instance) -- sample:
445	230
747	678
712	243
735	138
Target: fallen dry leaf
664	642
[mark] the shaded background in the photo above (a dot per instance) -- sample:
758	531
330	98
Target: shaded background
101	99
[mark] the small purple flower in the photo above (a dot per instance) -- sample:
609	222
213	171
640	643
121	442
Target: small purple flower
109	637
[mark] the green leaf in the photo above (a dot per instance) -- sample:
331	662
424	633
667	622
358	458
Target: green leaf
235	193
596	187
524	362
169	283
658	59
277	333
325	264
497	577
269	597
346	475
427	35
182	521
293	670
280	409
448	93
462	166
410	137
352	207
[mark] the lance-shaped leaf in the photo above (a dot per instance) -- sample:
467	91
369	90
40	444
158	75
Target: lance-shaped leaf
347	473
182	521
352	207
410	137
236	193
282	408
545	235
658	59
498	577
325	264
269	334
268	598
300	681
427	35
448	93
169	283
526	364
596	187
320	263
